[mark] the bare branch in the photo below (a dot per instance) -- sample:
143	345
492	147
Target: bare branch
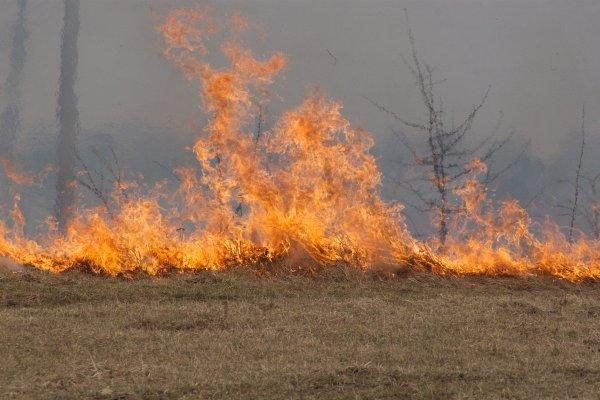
577	177
333	57
167	170
395	115
90	183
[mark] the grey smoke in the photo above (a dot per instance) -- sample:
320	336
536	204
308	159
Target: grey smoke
540	56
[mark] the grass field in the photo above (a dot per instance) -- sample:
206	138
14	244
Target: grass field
342	335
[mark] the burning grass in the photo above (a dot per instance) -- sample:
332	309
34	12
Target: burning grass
309	188
340	334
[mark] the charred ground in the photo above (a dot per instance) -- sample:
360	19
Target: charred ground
340	334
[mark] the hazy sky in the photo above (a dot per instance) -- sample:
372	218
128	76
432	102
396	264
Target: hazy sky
541	58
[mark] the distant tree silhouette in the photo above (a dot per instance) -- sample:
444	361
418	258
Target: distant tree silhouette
67	115
10	119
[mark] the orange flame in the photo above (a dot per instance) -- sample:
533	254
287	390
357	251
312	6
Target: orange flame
310	190
23	178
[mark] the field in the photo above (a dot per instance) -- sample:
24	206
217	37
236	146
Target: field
340	335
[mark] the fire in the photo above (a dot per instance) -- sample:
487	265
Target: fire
309	191
23	178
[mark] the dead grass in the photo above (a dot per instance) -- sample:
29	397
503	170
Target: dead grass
341	335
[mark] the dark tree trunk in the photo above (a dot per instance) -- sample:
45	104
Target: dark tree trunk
10	119
68	116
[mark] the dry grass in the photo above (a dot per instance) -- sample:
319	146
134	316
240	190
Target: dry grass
341	335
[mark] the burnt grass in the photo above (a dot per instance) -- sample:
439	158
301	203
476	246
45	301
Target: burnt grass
339	334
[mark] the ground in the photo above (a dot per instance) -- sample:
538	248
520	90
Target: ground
340	335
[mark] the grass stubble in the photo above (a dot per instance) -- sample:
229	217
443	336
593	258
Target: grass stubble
339	334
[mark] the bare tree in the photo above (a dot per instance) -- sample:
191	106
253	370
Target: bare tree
10	119
443	152
101	181
67	115
577	186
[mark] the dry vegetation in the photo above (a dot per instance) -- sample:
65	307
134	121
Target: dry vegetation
339	335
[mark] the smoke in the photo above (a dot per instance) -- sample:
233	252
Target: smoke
67	115
10	119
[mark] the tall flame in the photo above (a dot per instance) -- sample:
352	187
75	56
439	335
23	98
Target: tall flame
308	192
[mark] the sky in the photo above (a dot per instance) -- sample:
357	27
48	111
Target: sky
540	59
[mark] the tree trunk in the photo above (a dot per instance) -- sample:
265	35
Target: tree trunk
67	116
10	119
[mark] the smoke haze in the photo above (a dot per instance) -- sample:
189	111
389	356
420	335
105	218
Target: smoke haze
540	58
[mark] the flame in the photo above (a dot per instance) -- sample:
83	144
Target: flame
23	178
498	239
308	192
